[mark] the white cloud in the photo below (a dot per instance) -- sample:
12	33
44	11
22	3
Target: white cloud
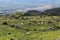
40	8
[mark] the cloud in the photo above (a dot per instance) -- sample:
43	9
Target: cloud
28	4
40	8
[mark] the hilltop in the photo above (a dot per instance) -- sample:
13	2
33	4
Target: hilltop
53	11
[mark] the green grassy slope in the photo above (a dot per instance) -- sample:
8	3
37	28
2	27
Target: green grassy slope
29	28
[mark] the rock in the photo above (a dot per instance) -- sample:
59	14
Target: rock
52	28
38	23
42	22
34	29
23	18
11	39
49	22
12	25
9	33
34	21
17	26
28	33
20	18
22	23
27	29
4	23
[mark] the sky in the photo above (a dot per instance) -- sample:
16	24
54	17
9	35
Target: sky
28	4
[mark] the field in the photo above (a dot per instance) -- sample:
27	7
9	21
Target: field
30	28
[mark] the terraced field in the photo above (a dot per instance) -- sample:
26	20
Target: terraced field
30	28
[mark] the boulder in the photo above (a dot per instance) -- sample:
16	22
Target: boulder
4	23
9	33
27	33
12	25
11	39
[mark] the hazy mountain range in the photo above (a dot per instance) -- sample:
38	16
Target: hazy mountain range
25	5
39	8
53	11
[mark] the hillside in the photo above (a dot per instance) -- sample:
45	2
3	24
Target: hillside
17	27
32	13
54	12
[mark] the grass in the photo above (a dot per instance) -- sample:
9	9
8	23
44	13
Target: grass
21	34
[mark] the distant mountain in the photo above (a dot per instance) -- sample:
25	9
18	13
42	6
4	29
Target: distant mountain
32	13
54	11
